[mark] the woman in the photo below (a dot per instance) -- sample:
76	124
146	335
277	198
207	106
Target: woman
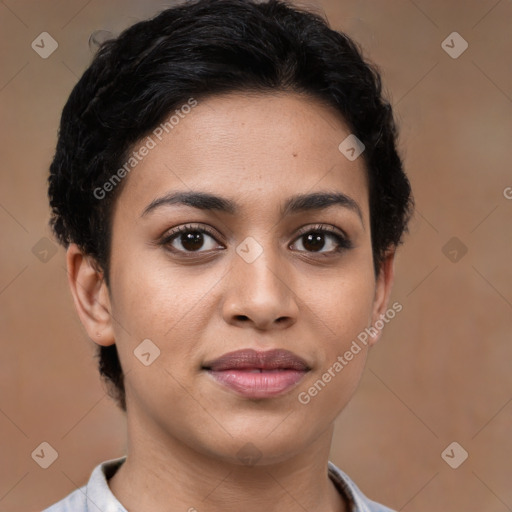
227	185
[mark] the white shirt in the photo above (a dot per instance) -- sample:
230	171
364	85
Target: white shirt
96	495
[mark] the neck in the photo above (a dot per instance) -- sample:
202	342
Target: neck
162	473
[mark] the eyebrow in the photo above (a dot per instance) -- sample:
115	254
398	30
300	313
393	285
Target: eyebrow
294	204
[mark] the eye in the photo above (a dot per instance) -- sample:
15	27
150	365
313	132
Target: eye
190	239
321	237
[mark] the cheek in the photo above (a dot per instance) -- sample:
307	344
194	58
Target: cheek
343	305
341	355
343	347
167	306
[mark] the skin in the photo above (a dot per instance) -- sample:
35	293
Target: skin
184	428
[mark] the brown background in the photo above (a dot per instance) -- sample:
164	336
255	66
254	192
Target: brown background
441	372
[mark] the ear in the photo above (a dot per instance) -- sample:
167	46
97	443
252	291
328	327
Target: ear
90	294
383	287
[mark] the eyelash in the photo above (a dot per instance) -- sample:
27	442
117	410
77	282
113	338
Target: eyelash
343	242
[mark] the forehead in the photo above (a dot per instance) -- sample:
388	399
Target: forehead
254	148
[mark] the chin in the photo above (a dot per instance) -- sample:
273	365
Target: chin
257	447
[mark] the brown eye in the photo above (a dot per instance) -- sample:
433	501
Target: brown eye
192	241
187	239
317	239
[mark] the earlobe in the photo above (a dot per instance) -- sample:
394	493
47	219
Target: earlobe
90	295
383	288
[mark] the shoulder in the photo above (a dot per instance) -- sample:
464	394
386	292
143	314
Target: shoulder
95	495
360	502
73	502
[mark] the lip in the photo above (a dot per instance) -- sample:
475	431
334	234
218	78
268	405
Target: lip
276	359
256	374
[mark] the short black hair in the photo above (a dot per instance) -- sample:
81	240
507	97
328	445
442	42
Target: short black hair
198	49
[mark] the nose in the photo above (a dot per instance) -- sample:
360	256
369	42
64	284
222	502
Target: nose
260	294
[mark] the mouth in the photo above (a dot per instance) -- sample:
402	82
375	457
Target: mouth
256	374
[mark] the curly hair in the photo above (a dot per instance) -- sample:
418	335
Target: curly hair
202	48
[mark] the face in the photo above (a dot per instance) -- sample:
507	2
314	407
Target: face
256	269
